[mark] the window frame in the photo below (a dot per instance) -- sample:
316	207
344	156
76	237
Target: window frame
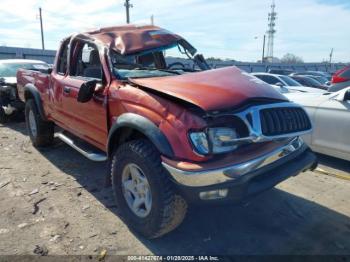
65	46
76	51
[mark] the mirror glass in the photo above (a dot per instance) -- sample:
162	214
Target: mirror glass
86	91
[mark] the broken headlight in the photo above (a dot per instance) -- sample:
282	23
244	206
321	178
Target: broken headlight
214	140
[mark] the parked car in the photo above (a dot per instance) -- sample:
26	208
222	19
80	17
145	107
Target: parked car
9	101
321	79
308	81
330	114
285	81
314	73
340	79
281	71
173	136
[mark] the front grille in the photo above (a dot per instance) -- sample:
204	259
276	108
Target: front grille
283	120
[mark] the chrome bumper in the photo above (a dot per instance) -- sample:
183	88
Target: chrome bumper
230	173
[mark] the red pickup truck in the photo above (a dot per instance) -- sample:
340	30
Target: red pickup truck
173	134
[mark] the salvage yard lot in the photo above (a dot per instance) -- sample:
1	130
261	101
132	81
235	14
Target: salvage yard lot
57	200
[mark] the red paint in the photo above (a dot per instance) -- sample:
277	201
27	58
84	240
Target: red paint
214	89
338	76
210	90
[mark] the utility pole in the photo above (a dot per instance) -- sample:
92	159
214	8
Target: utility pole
152	20
272	16
263	53
127	7
42	31
331	56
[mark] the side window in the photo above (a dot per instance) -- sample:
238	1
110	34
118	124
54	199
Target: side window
261	77
268	79
273	80
62	59
302	81
87	62
346	73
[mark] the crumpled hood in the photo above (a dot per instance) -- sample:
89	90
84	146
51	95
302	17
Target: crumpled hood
213	89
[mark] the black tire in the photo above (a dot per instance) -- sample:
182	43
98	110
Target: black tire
168	209
44	130
3	117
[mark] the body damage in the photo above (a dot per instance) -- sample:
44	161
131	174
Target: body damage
172	119
166	101
175	122
215	89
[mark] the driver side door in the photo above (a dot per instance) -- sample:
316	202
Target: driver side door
85	120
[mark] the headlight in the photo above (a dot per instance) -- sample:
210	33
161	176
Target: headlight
200	142
215	140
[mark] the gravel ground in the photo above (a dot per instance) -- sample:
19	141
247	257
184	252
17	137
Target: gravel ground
55	201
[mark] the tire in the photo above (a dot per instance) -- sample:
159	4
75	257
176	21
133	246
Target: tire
3	117
44	131
167	209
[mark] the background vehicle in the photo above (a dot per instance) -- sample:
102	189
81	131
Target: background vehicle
308	81
340	79
173	135
281	71
314	73
285	81
321	79
330	114
9	101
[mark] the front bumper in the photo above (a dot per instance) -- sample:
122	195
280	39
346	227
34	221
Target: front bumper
249	178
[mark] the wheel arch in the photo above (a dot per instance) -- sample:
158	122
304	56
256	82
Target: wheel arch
31	92
129	126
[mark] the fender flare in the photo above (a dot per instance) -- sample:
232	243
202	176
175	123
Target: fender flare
30	88
144	126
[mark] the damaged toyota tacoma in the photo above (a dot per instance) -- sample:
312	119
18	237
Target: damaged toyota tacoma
173	133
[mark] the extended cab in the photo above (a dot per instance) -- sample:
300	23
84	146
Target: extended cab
173	133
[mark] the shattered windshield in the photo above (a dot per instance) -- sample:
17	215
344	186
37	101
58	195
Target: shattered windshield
166	61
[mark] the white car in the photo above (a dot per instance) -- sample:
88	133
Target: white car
283	81
330	115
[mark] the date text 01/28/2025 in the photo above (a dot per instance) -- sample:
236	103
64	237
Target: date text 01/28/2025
173	258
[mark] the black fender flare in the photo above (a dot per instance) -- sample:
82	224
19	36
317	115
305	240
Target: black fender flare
144	126
33	91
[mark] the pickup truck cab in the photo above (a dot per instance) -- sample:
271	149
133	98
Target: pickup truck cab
173	134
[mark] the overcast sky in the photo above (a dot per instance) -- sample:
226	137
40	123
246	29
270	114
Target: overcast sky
220	28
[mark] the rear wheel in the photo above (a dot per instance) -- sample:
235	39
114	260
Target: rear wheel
3	116
41	132
145	196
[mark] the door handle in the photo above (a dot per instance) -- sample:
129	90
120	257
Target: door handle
66	89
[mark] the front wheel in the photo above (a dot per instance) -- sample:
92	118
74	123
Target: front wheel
41	132
144	194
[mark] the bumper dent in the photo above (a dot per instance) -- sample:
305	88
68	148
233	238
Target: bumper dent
234	172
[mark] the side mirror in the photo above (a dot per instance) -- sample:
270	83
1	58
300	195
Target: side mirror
49	70
347	95
86	91
279	84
